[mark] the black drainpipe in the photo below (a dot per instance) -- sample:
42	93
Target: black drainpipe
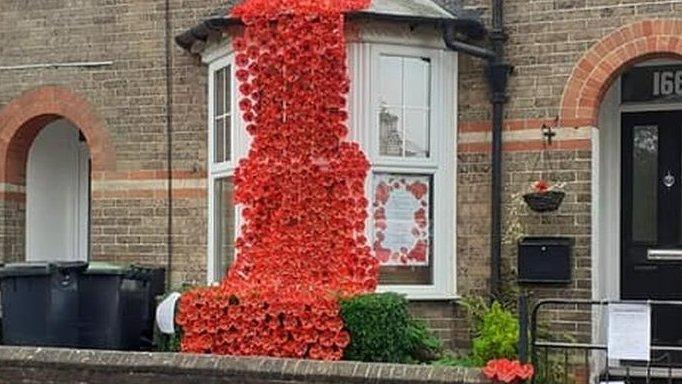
169	142
498	74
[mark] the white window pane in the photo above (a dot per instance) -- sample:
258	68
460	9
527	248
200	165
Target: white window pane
224	226
228	137
219	140
219	92
228	88
391	80
403	233
416	133
390	132
417	82
404	106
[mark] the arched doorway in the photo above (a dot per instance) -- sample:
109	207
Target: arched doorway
639	195
31	126
636	166
57	195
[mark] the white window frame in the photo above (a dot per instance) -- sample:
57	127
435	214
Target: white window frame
442	160
239	146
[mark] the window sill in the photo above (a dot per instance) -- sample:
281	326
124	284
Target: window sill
416	293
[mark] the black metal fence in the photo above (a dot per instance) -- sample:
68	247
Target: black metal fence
576	361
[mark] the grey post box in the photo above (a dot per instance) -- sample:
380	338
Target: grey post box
545	260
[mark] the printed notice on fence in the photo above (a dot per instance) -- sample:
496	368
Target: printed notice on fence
629	332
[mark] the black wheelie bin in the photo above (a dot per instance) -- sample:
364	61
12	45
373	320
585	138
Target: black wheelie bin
40	303
115	305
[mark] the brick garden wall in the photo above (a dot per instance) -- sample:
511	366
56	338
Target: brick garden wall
54	366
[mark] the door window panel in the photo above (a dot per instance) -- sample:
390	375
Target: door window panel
645	183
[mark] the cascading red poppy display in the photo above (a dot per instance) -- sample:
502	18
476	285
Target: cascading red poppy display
301	188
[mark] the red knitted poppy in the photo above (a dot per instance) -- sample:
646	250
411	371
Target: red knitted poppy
301	188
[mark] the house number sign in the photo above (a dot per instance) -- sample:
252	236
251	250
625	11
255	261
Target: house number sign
662	83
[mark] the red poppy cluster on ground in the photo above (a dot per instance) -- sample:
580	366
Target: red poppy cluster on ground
508	371
301	188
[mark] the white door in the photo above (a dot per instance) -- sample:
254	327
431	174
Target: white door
57	195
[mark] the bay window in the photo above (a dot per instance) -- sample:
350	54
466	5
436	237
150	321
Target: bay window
403	113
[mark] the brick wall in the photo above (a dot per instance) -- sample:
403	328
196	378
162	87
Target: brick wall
54	366
547	40
130	197
13	215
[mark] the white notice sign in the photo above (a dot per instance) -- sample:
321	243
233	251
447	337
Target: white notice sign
629	332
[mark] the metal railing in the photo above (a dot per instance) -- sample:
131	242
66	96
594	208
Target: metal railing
573	361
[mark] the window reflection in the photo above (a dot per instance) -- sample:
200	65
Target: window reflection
645	184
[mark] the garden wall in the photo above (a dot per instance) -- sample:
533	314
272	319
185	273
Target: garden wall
56	366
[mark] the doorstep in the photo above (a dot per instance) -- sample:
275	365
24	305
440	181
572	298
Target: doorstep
62	366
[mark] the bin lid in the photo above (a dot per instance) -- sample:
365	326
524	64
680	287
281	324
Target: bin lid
41	268
105	268
25	269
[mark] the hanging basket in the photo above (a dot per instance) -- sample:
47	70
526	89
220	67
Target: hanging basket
544	201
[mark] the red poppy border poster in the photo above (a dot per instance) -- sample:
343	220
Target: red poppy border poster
402	219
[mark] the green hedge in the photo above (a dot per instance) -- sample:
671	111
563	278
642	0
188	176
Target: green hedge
382	330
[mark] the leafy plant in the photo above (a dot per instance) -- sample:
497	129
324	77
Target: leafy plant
513	226
383	330
496	332
450	359
166	343
424	345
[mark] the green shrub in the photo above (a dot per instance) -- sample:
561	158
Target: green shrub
382	330
424	345
450	359
166	343
497	335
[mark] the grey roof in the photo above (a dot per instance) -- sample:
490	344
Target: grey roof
435	9
417	10
409	8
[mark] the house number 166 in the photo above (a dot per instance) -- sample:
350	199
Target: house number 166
668	83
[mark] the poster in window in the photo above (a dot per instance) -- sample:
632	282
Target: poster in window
401	210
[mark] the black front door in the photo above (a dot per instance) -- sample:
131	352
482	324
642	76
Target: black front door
651	217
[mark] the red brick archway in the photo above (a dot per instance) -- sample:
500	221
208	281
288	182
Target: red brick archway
608	58
23	118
